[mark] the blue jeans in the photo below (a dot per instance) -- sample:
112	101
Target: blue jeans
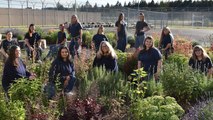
139	41
74	47
53	51
50	88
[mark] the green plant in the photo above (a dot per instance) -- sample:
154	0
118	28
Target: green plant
156	108
87	38
184	84
153	88
179	59
112	38
20	37
131	41
40	31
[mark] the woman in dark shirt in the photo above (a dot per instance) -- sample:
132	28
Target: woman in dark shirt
14	68
166	42
33	43
106	57
201	61
98	38
140	29
7	43
63	68
75	31
121	33
150	59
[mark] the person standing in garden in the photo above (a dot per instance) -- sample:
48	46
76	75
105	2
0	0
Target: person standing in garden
6	44
14	68
150	59
201	61
121	34
106	57
62	68
33	44
140	30
166	42
98	38
75	31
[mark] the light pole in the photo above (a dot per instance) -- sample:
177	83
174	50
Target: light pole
9	23
33	4
56	2
42	2
22	7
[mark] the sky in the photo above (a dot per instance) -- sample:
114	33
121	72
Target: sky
51	3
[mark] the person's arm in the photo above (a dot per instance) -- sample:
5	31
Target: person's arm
3	50
116	30
159	65
65	39
146	28
167	46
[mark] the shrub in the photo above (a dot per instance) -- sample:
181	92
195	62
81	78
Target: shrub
20	37
156	108
182	46
112	38
131	41
51	37
153	88
87	38
179	59
184	84
41	32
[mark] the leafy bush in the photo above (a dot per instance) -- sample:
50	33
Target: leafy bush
153	88
41	32
131	41
156	108
184	84
87	38
182	46
20	37
51	37
179	59
112	38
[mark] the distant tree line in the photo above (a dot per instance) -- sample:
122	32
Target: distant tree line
142	4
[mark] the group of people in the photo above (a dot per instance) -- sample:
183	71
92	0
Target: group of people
149	57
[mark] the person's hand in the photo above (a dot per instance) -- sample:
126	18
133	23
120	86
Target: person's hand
79	41
6	55
32	77
142	30
66	81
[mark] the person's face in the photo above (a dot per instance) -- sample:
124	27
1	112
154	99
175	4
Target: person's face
18	52
9	35
166	32
73	19
104	48
101	29
32	28
148	43
122	17
198	52
61	27
64	53
141	17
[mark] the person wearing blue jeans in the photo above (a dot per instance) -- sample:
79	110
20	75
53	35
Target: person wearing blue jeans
140	29
62	69
75	31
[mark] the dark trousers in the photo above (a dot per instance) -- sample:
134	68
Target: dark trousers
121	43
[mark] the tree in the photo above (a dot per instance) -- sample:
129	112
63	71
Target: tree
95	6
59	6
107	5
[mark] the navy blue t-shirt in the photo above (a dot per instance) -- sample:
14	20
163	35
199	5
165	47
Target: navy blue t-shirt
201	65
139	26
97	39
12	73
149	59
74	29
61	37
34	38
122	29
166	40
107	61
61	68
7	44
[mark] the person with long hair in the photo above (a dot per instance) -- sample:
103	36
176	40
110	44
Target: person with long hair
201	61
106	57
150	59
98	38
166	42
33	44
140	29
121	34
75	31
14	68
63	69
6	44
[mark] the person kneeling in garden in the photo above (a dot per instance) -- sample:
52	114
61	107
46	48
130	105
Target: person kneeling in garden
150	59
201	61
106	57
62	68
14	68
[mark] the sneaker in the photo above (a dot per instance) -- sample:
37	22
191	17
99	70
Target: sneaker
69	93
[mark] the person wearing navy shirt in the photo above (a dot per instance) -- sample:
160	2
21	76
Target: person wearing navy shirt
166	42
106	57
63	68
6	44
201	61
98	38
121	33
75	31
140	29
150	59
33	43
61	36
14	68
